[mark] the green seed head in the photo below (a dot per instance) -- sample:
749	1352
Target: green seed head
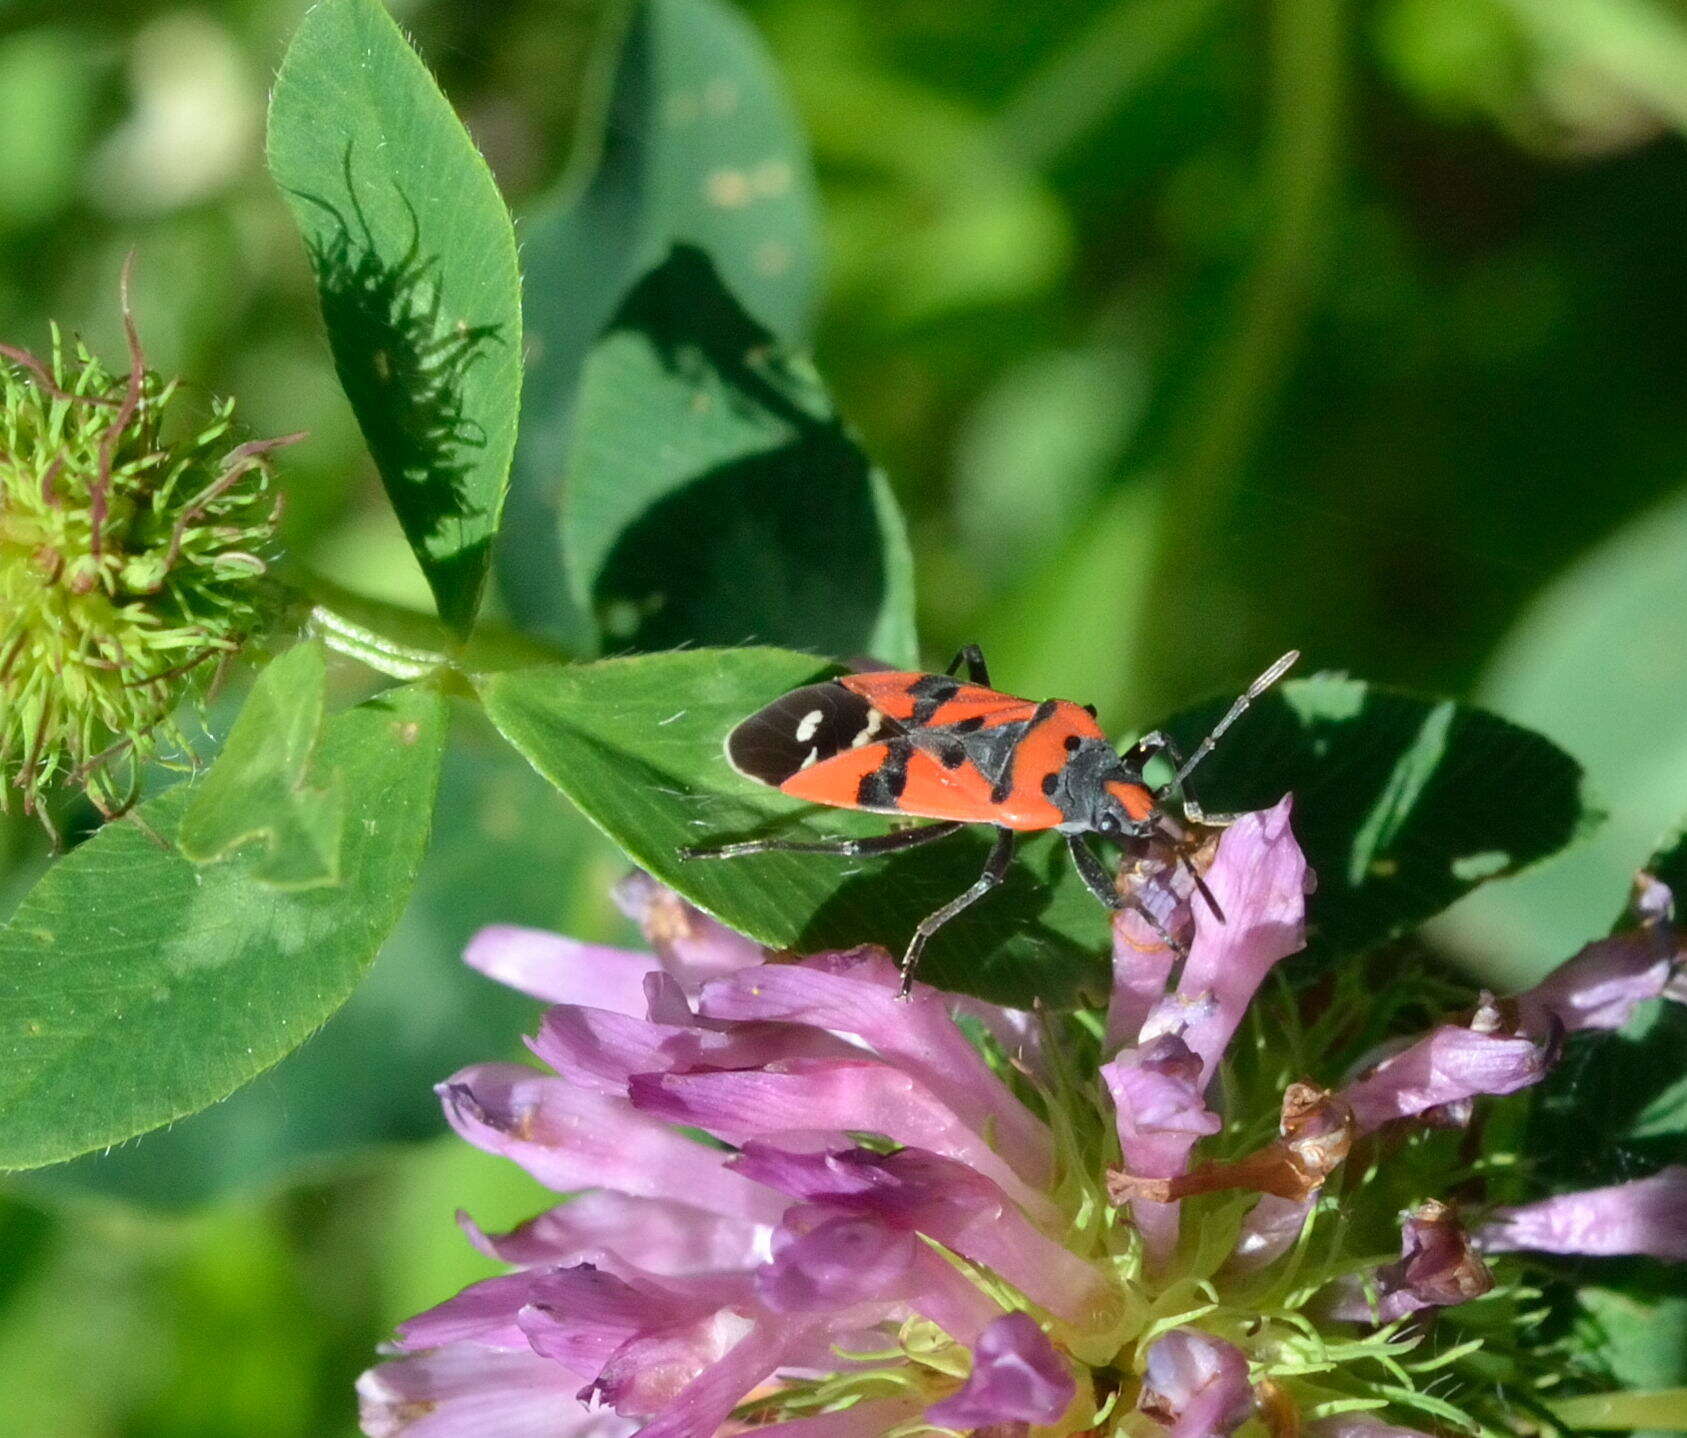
132	562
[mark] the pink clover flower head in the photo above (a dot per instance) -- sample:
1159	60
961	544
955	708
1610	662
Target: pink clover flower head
795	1202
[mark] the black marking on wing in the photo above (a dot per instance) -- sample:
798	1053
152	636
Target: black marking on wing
775	742
930	693
1003	785
883	787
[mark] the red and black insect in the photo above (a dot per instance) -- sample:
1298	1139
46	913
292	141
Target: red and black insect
931	746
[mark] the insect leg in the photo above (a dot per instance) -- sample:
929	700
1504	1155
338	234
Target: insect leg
843	848
995	870
1160	742
973	657
1098	882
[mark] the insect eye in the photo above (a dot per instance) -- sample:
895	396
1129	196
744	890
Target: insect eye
1108	824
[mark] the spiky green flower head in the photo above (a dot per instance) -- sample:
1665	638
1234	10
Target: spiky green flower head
134	555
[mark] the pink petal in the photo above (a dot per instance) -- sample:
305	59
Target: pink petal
1017	1377
482	1313
855	993
581	1315
1602	985
692	946
1260	880
651	1370
1270	1230
466	1391
703	1404
1647	1216
959	1207
1142	961
561	970
1160	1114
656	1234
1449	1064
601	1050
835	1261
568	1138
826	1097
1158	1107
1196	1385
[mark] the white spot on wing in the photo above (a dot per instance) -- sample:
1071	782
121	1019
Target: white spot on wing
808	725
813	754
868	730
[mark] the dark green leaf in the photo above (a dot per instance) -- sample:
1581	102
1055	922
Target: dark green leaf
697	143
265	785
636	744
136	987
1402	804
514	853
416	269
715	498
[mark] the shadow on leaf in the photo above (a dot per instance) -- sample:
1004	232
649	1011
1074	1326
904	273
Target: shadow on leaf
403	362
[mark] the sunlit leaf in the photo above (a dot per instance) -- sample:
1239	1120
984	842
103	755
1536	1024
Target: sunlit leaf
264	786
512	852
415	266
136	987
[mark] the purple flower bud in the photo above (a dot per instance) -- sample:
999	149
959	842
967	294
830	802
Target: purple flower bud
1647	1216
1196	1385
1160	1115
1448	1065
1017	1377
1438	1267
1600	987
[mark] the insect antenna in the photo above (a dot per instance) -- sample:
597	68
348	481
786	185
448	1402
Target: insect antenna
1237	710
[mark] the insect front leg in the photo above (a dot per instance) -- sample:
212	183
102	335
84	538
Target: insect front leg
977	670
995	870
1100	883
843	848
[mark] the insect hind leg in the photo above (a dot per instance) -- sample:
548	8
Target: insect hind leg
842	848
995	870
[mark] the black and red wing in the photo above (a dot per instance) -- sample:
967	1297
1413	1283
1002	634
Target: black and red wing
804	728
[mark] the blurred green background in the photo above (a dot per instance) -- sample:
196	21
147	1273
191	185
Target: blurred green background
1187	330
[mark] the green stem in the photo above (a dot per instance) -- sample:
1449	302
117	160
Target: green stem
1219	430
1630	1409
